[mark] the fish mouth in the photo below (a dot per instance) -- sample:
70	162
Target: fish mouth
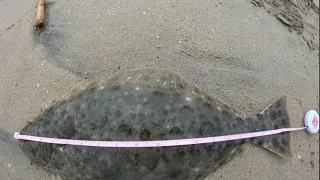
24	131
38	152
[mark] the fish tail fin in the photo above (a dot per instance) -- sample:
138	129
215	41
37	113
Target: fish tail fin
275	116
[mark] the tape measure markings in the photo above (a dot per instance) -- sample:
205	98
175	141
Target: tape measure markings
159	143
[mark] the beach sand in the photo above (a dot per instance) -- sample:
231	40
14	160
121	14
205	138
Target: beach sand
245	53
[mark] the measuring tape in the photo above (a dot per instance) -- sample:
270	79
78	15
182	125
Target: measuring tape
162	143
311	123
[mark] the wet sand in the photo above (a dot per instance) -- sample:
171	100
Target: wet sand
240	52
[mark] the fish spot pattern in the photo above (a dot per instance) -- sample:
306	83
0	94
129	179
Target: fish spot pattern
141	107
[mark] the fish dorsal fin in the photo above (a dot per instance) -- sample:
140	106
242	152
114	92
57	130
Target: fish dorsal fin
166	79
157	78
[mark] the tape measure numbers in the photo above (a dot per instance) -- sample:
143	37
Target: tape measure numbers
161	143
311	123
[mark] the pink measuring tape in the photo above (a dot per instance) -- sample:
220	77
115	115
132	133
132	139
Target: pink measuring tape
162	143
311	122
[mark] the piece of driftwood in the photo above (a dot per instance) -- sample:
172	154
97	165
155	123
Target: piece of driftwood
40	16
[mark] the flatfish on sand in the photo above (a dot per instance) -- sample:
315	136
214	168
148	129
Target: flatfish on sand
145	105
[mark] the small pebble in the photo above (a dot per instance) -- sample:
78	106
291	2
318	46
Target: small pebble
299	157
312	163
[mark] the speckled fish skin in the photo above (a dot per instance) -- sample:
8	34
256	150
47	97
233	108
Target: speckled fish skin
147	105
